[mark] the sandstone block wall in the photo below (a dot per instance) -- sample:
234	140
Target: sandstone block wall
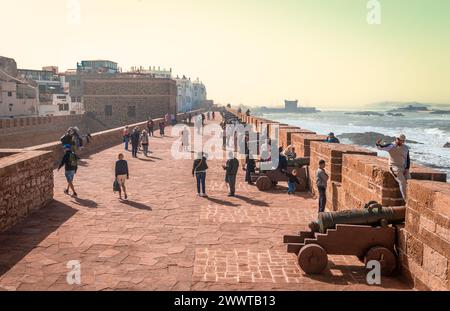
333	156
302	143
129	100
367	178
285	134
26	184
30	131
424	241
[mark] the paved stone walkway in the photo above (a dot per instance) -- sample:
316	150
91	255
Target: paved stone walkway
165	237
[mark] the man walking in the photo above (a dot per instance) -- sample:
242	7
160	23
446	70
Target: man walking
321	182
231	169
122	175
70	163
135	139
399	161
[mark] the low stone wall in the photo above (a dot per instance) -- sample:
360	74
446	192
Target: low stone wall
26	184
302	143
424	241
30	131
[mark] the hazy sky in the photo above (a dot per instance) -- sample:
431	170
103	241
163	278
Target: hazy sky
322	52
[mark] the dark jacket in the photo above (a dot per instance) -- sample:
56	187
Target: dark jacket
251	164
67	163
282	163
333	140
122	168
67	139
199	165
135	138
292	178
232	166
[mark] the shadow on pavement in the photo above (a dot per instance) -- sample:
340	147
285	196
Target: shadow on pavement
221	202
85	202
354	275
136	205
146	159
252	201
22	238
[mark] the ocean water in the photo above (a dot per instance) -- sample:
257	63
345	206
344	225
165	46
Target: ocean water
433	131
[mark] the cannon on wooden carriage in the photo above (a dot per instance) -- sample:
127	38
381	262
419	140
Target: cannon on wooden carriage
367	233
267	179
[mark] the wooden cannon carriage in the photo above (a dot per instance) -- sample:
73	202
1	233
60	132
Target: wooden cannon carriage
366	233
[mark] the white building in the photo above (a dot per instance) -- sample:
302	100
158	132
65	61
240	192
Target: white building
61	105
184	94
198	93
17	97
190	95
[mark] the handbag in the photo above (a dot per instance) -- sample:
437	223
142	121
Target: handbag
116	186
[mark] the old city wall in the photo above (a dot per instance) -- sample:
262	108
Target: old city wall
358	175
30	131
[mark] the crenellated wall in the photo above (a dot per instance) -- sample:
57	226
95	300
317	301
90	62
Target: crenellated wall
358	175
302	142
424	240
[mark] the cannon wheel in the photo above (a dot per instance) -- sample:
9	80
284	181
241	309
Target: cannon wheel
263	183
384	256
312	258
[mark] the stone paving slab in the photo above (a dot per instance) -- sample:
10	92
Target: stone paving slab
165	237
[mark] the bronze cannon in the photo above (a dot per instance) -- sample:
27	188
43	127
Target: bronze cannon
367	233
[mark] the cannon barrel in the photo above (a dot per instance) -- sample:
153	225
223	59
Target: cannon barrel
371	215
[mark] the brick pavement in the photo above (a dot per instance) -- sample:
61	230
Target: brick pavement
165	237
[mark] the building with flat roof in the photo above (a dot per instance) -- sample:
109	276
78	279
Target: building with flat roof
97	66
18	96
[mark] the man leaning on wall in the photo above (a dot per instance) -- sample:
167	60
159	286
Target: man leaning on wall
399	161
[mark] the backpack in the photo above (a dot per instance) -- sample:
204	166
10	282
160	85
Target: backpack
73	159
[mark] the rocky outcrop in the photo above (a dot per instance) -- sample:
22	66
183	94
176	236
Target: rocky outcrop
370	138
447	145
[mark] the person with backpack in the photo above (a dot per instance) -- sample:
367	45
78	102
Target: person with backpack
122	175
70	163
135	139
199	171
145	141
